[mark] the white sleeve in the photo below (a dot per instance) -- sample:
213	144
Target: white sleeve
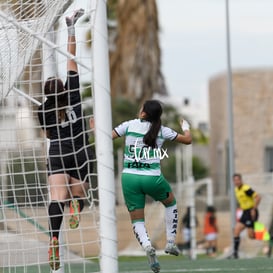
122	128
168	133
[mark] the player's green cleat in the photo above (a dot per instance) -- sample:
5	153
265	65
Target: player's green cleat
152	259
172	249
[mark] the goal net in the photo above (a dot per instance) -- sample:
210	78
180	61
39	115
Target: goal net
33	41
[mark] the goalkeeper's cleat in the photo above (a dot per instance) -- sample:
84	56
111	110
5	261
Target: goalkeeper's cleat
172	249
70	21
152	259
53	253
74	214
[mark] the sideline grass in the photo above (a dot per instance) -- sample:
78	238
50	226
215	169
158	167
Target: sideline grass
169	264
75	268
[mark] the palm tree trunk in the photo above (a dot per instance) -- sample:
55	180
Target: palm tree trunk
135	63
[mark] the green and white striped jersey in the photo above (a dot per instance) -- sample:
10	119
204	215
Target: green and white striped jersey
138	157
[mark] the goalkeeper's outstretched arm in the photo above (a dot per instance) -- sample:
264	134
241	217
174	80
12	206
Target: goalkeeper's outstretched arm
71	43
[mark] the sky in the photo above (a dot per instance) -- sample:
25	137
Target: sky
193	43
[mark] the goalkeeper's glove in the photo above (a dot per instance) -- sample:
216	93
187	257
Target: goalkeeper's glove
71	21
185	126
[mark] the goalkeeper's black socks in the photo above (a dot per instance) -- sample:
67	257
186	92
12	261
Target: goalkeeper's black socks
55	212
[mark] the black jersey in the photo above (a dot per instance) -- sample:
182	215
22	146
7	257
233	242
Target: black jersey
71	131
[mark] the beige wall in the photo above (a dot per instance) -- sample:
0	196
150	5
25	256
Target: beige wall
253	123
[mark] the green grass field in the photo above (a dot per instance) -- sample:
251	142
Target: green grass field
169	264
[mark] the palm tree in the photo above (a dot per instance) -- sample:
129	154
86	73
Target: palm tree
135	61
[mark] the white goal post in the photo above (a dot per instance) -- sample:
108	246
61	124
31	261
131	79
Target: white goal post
33	39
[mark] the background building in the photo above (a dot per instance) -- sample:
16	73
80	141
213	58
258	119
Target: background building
252	125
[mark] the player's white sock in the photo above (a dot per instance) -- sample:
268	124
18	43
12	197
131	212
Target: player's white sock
171	220
141	234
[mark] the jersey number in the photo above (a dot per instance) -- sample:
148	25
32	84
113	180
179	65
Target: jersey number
72	117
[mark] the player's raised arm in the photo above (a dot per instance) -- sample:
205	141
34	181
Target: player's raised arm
186	137
71	43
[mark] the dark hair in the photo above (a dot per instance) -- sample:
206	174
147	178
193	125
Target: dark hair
237	175
153	111
212	218
211	209
57	95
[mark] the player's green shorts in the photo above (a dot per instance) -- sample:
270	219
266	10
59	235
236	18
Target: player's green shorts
135	187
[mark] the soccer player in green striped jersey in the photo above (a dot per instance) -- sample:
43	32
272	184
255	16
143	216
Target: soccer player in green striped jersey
142	175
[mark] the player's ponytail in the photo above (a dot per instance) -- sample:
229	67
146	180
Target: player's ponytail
153	111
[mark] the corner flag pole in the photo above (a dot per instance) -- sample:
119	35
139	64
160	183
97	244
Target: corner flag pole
230	124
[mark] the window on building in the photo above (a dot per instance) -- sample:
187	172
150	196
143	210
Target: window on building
269	159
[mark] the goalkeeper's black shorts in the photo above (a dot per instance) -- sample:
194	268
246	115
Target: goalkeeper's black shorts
77	164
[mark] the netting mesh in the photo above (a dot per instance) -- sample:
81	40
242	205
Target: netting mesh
20	24
33	39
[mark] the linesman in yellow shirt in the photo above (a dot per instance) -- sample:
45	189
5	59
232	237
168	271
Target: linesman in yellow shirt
248	201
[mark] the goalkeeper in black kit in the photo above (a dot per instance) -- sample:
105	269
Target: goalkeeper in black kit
68	164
